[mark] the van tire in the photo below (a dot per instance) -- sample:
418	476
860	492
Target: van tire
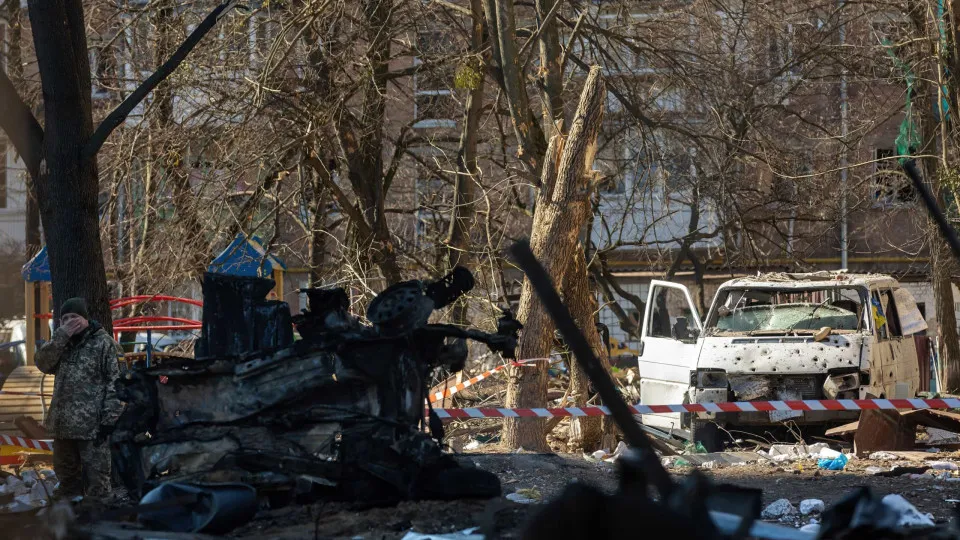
707	433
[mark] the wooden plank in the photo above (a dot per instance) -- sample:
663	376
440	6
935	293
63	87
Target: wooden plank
31	428
944	420
845	429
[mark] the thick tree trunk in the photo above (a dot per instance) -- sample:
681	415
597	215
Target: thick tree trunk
558	219
67	185
586	433
943	268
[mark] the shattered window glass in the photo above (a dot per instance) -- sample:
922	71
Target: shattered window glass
786	311
671	316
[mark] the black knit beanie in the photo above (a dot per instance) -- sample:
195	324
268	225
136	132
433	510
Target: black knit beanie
75	305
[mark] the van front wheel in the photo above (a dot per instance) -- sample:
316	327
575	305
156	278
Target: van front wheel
707	433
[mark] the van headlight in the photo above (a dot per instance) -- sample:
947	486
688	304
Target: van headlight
709	378
839	383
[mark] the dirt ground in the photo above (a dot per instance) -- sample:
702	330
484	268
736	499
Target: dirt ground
546	475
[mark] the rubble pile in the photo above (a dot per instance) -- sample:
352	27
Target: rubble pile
338	413
29	491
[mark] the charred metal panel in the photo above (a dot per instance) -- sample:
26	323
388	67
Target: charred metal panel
238	320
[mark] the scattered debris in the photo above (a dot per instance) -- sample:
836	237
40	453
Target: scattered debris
722	458
466	534
790	452
29	477
835	464
940	436
874	470
811	506
607	456
828	453
525	496
883	456
779	509
909	516
41	491
188	508
944	466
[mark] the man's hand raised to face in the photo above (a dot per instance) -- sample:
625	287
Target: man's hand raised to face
73	324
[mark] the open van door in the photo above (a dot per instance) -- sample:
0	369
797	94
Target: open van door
668	350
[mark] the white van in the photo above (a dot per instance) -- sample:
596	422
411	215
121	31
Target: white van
13	331
776	337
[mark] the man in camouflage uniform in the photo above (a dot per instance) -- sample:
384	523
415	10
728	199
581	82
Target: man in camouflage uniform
85	407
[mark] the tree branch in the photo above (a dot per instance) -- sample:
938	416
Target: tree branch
118	115
21	127
348	208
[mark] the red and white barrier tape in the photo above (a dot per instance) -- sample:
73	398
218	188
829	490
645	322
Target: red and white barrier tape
26	443
438	396
733	406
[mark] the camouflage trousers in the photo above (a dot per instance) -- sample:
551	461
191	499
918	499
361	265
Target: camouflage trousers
83	467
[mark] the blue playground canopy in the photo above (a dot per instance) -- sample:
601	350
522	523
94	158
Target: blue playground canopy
246	257
37	269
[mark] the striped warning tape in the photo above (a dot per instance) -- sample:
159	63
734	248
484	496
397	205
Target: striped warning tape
449	391
732	406
26	443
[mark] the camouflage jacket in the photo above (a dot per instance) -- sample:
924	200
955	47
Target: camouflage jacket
84	393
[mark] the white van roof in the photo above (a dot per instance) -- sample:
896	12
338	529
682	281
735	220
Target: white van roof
781	280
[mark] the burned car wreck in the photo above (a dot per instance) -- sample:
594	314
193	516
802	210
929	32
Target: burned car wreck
338	413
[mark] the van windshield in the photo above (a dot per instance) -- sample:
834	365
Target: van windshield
786	311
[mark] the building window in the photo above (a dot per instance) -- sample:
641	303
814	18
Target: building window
613	185
667	99
780	52
436	108
3	175
103	63
435	105
889	185
613	103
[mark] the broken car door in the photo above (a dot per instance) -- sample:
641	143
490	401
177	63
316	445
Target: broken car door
893	361
668	351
